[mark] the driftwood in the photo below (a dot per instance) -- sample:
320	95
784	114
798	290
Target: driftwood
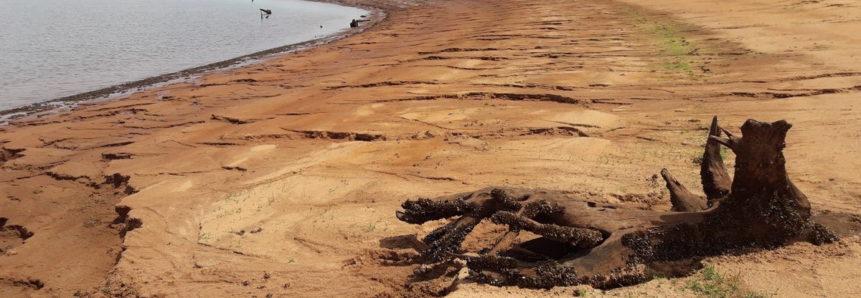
611	245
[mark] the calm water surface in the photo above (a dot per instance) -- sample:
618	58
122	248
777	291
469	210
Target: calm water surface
56	48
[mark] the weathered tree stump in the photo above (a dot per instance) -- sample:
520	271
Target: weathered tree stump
610	245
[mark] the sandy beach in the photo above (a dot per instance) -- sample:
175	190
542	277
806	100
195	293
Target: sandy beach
281	179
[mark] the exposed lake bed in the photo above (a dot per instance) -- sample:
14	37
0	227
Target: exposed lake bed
284	176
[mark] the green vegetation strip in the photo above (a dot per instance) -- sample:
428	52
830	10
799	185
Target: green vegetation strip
674	48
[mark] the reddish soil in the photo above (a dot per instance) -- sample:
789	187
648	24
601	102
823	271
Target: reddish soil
283	177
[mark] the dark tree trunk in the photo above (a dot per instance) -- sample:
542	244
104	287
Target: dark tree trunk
716	180
607	245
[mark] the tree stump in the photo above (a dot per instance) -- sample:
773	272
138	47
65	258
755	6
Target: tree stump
612	245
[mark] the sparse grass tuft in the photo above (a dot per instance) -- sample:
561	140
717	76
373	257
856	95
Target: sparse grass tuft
711	283
821	47
674	48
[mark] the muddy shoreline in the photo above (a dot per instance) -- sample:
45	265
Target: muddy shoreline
375	16
283	178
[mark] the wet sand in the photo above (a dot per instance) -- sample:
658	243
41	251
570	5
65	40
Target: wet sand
282	178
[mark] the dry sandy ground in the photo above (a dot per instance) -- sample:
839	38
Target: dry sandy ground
282	178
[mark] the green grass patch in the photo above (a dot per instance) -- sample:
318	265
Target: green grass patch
673	48
711	283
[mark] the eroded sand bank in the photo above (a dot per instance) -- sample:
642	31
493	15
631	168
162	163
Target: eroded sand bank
283	178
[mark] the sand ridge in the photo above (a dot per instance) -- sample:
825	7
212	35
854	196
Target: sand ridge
282	178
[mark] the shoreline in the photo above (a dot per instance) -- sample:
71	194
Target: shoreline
282	178
375	16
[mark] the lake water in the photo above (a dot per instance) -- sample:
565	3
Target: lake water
56	48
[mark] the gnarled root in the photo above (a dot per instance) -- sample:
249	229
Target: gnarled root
607	245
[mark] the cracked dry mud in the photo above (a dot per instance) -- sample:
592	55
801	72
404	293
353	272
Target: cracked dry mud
314	150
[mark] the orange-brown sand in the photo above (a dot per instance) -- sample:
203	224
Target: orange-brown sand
282	178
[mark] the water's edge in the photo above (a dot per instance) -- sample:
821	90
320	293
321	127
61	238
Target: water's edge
374	17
